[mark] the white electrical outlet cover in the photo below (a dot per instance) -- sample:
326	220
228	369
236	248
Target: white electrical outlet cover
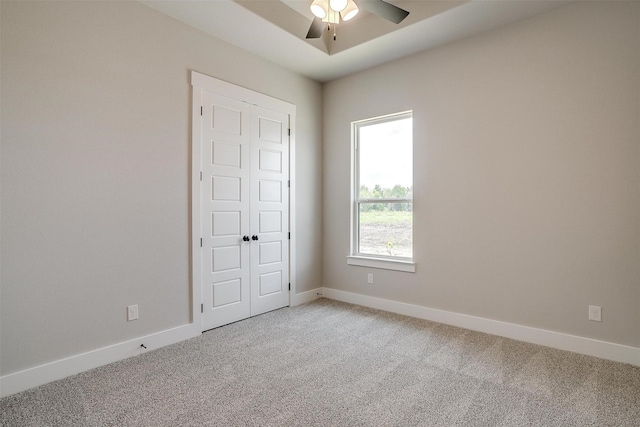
132	312
595	313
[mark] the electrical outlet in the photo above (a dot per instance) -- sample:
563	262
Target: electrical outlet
595	313
370	278
132	312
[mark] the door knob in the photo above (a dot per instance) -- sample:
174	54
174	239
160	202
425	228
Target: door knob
254	237
245	238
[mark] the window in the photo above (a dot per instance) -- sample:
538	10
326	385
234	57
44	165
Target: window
382	217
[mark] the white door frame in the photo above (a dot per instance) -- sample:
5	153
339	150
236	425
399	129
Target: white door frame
200	82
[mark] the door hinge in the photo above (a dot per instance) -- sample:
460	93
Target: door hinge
289	184
201	308
289	235
289	132
200	175
200	110
289	286
201	242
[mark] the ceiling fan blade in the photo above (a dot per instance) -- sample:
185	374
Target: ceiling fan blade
316	29
385	10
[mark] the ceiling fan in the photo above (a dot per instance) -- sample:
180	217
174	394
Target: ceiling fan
329	12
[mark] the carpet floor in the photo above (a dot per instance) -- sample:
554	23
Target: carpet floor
328	363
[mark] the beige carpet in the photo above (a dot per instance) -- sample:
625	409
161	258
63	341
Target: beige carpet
333	364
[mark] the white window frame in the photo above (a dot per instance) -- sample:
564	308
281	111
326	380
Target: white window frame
355	257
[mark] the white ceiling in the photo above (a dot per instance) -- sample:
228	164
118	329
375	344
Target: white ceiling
276	30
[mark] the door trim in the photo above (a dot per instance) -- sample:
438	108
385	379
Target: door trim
200	82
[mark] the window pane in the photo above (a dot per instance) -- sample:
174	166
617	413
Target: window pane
386	159
386	229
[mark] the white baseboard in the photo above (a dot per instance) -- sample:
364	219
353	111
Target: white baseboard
576	344
305	297
39	375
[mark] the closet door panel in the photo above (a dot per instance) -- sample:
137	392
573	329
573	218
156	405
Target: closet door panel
269	210
226	207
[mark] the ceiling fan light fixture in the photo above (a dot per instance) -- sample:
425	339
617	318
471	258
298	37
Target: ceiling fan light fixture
338	5
332	11
319	8
349	11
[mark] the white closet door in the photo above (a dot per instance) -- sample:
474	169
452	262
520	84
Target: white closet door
225	201
269	210
244	210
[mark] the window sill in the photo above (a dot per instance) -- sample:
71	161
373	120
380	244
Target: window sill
386	264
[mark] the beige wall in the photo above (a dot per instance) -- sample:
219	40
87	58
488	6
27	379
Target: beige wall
95	171
527	172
